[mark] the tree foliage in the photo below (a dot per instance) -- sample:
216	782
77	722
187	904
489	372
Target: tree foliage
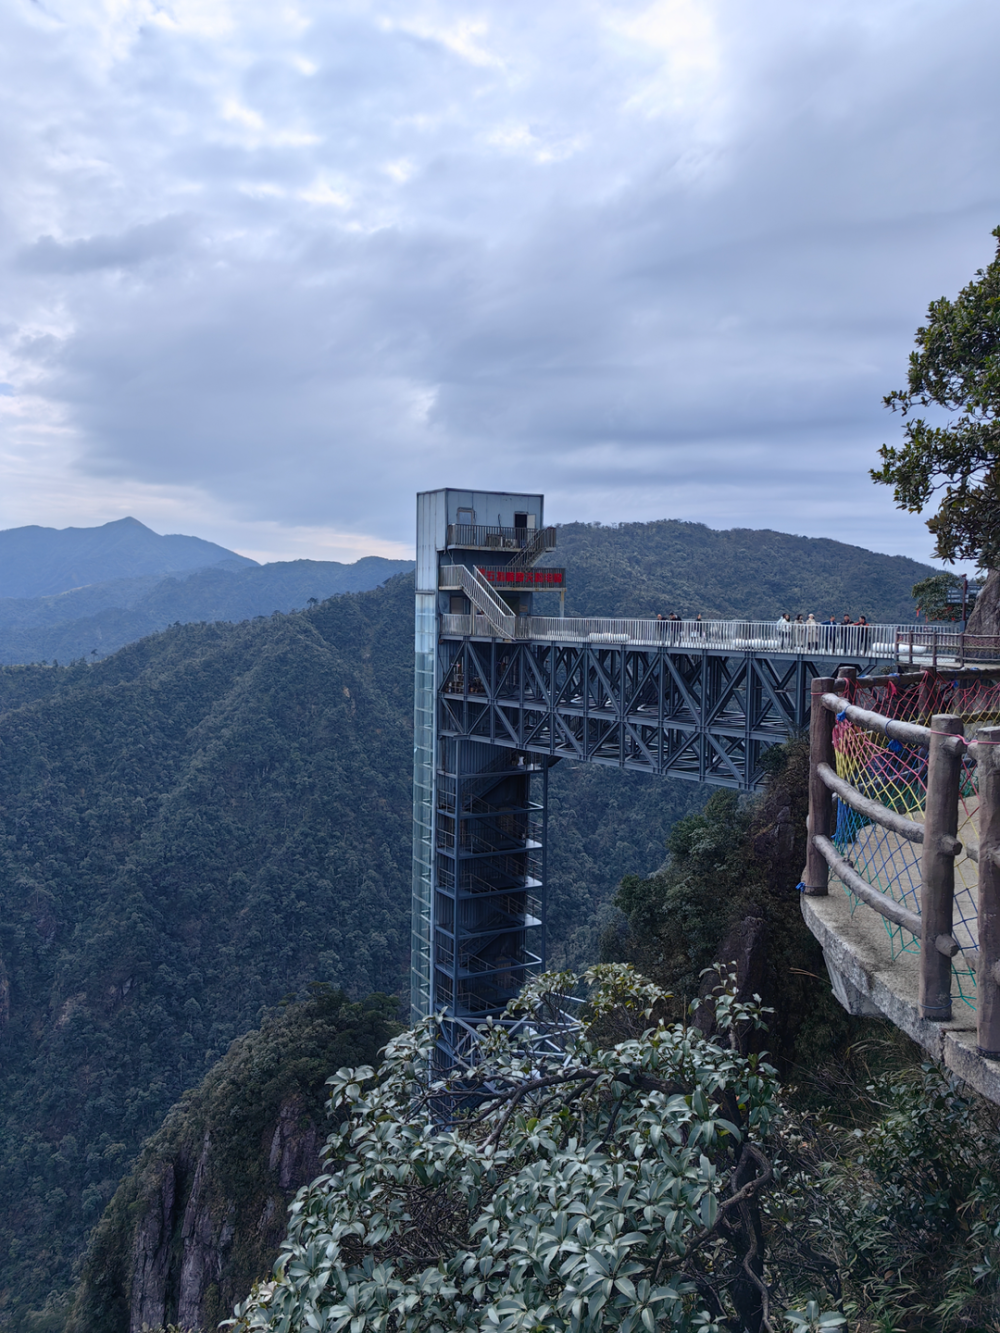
931	596
574	1185
955	368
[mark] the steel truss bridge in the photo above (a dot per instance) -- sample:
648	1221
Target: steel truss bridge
501	695
702	714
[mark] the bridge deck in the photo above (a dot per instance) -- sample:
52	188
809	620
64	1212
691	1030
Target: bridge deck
876	642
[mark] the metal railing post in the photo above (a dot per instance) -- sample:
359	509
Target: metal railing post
816	876
988	967
937	867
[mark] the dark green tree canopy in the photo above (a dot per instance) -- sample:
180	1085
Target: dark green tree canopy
956	367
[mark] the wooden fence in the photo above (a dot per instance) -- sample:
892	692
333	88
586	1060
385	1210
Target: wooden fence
948	752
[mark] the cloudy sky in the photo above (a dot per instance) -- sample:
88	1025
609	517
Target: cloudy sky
270	268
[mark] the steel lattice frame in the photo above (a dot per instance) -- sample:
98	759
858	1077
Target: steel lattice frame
705	716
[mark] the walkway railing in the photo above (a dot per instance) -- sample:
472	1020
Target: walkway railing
893	809
871	641
490	609
915	644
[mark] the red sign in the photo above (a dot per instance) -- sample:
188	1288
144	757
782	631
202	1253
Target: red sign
532	578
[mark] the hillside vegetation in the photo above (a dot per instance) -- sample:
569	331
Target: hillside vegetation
640	569
190	829
220	814
200	1215
96	620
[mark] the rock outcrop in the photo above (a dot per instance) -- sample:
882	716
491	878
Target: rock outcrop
985	618
204	1210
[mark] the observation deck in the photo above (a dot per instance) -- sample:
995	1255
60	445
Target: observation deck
502	694
902	882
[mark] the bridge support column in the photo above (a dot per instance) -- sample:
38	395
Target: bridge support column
816	876
937	867
988	969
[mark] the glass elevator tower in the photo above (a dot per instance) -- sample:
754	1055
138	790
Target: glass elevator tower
479	805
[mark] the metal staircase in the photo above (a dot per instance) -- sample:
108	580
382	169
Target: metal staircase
482	597
543	540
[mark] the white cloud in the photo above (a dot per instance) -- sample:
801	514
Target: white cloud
221	303
466	38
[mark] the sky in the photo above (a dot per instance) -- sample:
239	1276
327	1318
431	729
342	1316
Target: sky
268	269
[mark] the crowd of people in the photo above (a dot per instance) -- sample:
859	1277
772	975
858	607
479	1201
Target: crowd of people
804	631
813	633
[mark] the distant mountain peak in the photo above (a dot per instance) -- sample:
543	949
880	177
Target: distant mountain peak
40	562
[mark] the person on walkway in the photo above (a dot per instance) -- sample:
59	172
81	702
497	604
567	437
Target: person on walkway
784	629
812	631
843	637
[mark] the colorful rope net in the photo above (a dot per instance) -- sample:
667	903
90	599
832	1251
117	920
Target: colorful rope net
895	775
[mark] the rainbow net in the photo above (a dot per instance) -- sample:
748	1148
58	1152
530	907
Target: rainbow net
895	775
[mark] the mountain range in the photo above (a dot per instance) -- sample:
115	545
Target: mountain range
39	562
85	592
218	815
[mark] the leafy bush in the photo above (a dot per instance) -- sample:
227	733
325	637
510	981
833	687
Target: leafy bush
561	1184
896	1179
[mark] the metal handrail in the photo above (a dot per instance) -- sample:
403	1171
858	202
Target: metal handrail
480	536
844	641
481	595
544	540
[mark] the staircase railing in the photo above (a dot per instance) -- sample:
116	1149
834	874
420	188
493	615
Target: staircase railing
482	597
543	540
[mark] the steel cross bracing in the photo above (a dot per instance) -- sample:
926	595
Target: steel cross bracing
705	715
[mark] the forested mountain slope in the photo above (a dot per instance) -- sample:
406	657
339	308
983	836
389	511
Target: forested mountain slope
220	814
96	620
191	828
200	1216
38	562
639	569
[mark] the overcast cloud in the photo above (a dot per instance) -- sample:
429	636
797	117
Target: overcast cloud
268	269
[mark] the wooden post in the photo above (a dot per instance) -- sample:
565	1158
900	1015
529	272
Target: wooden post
937	867
816	876
988	970
850	674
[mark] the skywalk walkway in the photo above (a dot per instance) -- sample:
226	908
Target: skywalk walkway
904	833
902	881
879	641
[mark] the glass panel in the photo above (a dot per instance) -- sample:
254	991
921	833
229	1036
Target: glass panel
424	691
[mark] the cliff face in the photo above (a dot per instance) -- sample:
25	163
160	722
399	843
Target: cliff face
202	1213
181	1268
985	617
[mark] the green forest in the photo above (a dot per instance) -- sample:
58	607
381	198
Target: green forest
641	569
192	828
218	815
